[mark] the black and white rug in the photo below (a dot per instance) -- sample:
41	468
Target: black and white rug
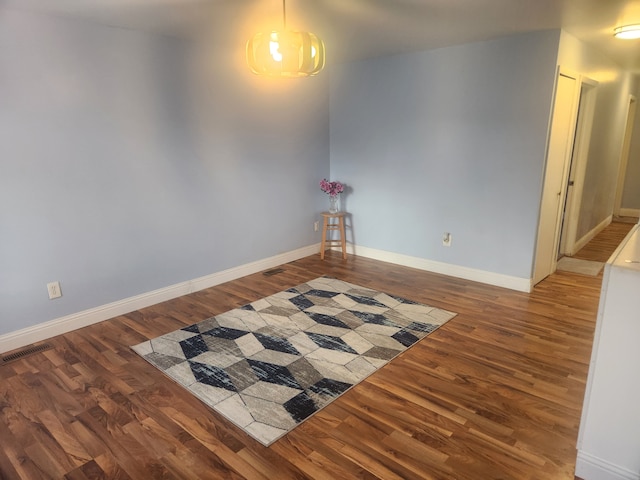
273	363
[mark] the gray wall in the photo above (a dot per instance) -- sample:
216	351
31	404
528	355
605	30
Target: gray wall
631	192
447	140
114	182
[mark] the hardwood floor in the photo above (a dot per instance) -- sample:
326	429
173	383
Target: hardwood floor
602	246
496	393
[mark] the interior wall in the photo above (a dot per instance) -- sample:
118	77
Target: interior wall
448	140
631	192
615	85
122	172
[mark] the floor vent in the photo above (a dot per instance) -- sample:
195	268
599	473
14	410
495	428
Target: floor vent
275	271
25	352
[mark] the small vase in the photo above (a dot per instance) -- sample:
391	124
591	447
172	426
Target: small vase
333	203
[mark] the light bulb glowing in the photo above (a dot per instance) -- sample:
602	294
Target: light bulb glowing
274	51
627	32
286	54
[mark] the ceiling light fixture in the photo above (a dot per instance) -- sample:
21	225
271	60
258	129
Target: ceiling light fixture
627	32
285	53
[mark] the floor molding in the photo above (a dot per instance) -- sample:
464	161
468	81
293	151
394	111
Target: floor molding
590	467
630	212
482	276
58	326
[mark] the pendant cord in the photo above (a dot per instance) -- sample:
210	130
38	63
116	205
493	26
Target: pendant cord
284	16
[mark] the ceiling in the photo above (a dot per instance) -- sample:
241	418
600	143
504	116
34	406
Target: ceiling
357	29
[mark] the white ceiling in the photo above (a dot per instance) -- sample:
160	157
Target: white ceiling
356	29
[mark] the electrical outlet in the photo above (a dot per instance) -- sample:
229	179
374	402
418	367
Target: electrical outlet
446	239
54	290
316	225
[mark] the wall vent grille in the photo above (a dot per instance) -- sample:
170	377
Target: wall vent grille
274	271
25	352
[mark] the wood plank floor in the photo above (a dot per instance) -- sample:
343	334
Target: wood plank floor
602	246
496	393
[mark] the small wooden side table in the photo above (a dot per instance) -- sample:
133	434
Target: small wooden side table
327	227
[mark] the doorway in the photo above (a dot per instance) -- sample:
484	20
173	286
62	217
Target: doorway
577	168
565	168
559	152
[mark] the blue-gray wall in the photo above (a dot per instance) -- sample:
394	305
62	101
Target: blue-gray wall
449	140
131	162
113	180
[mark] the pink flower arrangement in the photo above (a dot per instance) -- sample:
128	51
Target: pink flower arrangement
331	188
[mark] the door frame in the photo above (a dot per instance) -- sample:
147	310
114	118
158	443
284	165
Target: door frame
540	271
578	165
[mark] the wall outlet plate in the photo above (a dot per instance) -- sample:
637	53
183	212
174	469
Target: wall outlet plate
54	290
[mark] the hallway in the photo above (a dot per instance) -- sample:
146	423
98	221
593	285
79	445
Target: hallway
604	244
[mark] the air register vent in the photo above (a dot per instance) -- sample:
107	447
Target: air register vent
275	271
25	352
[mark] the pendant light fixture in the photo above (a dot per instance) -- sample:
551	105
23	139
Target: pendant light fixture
285	53
627	32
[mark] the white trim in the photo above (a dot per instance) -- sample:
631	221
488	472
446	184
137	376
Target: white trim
589	467
578	164
630	212
596	230
482	276
253	267
58	326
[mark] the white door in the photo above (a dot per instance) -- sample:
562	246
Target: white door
578	167
559	151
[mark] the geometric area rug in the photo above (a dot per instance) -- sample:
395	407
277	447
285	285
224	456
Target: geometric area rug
271	364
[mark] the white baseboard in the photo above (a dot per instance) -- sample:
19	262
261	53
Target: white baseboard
589	236
630	212
58	326
482	276
589	467
42	331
